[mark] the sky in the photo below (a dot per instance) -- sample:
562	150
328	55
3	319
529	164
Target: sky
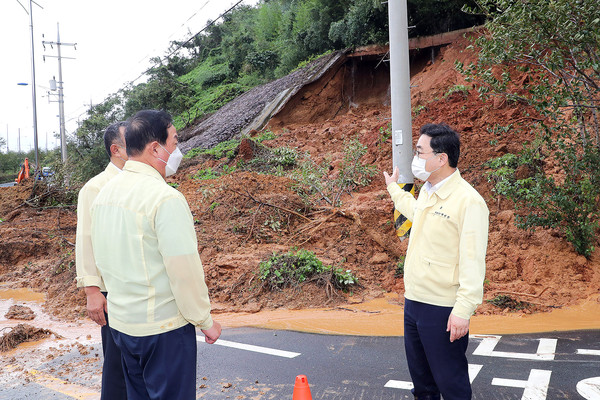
115	40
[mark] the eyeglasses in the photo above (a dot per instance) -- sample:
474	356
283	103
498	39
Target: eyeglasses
418	153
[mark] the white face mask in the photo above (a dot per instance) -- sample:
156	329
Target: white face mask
125	150
418	168
173	161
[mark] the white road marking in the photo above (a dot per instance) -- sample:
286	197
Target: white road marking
536	387
589	388
545	351
473	372
250	347
588	352
399	385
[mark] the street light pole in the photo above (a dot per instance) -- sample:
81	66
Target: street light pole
33	93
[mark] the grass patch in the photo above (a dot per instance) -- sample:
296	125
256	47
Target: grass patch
292	269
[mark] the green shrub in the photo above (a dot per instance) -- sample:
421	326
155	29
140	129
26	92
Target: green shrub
223	149
570	206
291	269
314	182
284	156
462	89
399	268
207	173
504	301
560	94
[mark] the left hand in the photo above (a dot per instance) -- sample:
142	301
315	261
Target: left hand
458	327
391	178
96	304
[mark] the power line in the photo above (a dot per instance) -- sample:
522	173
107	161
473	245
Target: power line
179	47
191	38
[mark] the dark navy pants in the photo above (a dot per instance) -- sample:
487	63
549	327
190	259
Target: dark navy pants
436	365
159	367
113	381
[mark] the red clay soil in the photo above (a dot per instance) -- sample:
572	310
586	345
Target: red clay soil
243	217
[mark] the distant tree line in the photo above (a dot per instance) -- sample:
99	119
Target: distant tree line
250	46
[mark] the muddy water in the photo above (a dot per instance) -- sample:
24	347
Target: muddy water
383	317
378	317
84	331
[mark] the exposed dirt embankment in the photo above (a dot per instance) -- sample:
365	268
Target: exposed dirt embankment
243	217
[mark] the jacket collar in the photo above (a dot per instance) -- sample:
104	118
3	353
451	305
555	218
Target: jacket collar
448	187
138	167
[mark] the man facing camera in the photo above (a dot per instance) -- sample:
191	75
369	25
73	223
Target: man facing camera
444	268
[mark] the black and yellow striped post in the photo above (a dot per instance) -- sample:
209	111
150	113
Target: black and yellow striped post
401	223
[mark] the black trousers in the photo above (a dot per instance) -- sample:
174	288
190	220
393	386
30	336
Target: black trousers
113	379
436	365
162	366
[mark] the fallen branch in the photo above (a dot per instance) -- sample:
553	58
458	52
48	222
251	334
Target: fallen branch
253	221
522	294
354	311
270	205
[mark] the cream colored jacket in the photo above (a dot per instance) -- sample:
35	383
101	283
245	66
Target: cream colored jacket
85	265
146	249
445	260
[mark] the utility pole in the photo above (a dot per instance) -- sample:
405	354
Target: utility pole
401	104
33	93
19	140
61	101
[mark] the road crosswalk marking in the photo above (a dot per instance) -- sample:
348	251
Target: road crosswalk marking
473	372
588	352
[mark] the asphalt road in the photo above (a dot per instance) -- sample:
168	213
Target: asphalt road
262	364
8	184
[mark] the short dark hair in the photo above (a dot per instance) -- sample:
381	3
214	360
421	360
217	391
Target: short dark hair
145	127
112	136
443	140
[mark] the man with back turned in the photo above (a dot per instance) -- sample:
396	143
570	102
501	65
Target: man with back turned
145	246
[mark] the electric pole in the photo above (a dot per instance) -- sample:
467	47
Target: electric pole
401	104
33	93
61	101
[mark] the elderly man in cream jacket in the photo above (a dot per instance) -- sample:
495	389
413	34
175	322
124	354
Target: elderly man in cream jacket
146	249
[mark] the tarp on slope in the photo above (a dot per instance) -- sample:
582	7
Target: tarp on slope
254	109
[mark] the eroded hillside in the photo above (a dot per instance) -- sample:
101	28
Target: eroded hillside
244	216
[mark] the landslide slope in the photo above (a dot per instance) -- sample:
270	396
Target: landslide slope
244	216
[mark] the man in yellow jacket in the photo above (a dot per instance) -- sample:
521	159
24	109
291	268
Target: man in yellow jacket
444	268
88	277
145	247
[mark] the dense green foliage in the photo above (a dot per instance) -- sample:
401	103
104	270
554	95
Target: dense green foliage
249	46
430	17
557	44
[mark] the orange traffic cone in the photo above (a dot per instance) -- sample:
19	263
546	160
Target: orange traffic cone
301	389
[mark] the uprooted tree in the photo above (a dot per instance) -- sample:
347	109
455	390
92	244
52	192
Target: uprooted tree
557	44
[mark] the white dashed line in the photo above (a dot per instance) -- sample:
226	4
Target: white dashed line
250	347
